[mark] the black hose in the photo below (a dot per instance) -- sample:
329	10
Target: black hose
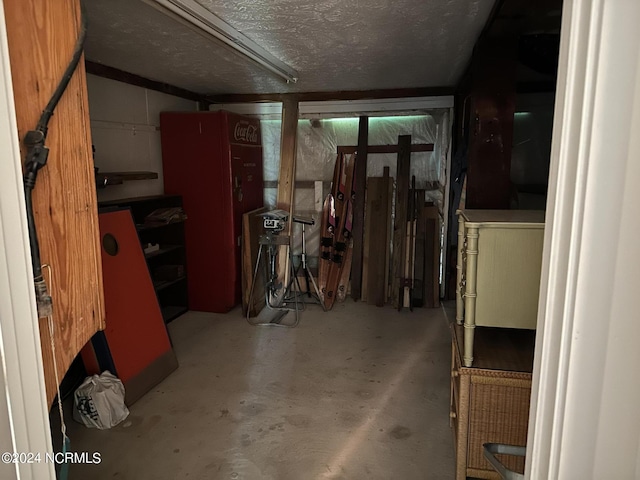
31	225
68	73
36	158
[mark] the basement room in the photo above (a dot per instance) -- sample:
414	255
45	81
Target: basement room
317	240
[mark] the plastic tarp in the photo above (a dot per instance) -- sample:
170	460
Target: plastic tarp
318	140
317	143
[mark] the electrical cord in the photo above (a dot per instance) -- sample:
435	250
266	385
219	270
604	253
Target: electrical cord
36	158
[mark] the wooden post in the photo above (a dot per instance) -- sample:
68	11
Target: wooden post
431	216
286	178
400	225
421	254
288	142
491	127
41	36
358	209
379	194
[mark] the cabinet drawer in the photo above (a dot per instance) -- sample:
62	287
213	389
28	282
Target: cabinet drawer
498	413
488	404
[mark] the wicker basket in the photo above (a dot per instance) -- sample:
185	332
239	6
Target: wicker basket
489	404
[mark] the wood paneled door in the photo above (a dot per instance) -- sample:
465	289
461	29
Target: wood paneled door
41	36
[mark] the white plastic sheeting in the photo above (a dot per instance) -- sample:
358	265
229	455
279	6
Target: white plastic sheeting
318	140
317	143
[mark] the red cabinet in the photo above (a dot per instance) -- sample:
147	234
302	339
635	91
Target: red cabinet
214	160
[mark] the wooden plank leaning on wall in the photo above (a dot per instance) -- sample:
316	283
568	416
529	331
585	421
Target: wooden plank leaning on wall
358	209
287	176
379	205
400	225
41	36
251	231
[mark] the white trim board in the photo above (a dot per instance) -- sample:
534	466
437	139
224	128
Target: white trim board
341	108
584	418
374	107
265	110
20	354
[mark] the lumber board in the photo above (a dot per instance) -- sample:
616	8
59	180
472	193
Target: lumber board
379	191
409	247
288	141
360	181
339	95
417	297
132	79
41	37
286	178
415	147
432	256
251	230
400	223
366	240
387	271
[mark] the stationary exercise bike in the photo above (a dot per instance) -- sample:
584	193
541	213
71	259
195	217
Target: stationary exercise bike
275	296
279	300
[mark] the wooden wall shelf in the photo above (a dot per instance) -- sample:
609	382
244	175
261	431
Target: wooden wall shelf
118	178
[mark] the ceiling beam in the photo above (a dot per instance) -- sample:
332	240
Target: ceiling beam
112	73
132	79
327	96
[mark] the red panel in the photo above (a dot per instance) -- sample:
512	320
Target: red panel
247	175
135	331
493	106
201	164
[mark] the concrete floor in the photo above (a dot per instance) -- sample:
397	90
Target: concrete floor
358	393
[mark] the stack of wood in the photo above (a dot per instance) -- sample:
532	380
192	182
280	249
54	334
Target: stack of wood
400	251
377	239
415	263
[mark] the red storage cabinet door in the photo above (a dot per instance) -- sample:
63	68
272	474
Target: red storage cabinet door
198	151
247	180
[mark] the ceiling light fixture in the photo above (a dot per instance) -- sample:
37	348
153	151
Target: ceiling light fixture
201	18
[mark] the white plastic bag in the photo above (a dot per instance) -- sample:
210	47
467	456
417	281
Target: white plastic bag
99	401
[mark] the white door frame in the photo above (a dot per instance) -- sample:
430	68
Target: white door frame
23	406
584	420
585	410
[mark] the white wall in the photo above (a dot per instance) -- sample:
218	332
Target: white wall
125	124
585	411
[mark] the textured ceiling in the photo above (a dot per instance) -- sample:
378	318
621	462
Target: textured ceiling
333	44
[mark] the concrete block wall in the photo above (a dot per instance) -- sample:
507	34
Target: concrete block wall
125	130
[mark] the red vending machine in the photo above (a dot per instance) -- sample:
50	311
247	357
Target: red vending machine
214	160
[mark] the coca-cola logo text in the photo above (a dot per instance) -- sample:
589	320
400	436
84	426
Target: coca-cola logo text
246	133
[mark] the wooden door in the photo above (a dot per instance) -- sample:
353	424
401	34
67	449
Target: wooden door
41	36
